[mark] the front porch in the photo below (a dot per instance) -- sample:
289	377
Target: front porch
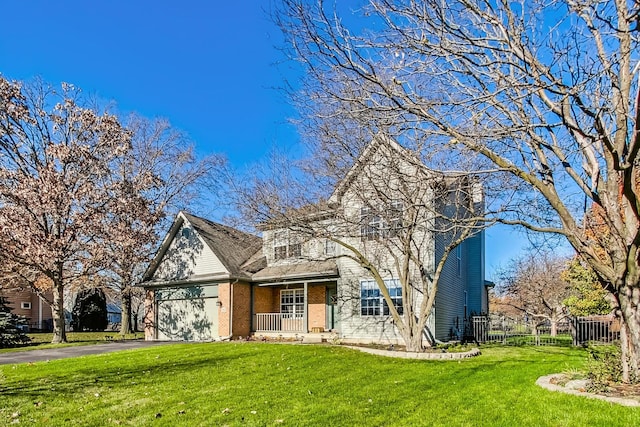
279	322
294	309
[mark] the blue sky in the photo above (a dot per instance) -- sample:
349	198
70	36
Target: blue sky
207	66
211	67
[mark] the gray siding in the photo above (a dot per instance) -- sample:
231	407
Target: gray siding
187	257
449	304
353	326
475	278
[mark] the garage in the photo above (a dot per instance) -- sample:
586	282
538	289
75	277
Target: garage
187	313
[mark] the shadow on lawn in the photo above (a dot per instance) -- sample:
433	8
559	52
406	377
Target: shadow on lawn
113	374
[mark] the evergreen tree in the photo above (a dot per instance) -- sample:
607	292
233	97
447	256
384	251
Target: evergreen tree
12	327
90	311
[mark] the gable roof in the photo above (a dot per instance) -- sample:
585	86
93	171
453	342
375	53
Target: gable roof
378	142
232	247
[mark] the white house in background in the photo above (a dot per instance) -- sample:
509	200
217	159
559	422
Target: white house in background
209	281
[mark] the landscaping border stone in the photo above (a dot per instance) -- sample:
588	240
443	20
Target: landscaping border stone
413	355
546	383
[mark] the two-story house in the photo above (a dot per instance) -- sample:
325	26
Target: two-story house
25	302
320	271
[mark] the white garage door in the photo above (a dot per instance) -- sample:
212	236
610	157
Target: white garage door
184	316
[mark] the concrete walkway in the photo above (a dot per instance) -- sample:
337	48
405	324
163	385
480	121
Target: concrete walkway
75	351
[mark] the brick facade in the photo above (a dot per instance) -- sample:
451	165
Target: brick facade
224	310
266	300
241	309
317	313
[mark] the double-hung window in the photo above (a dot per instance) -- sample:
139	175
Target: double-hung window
395	214
285	246
374	225
370	224
372	302
330	247
280	245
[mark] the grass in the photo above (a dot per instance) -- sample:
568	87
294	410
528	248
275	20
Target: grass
273	384
41	341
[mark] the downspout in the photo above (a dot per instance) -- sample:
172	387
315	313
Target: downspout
39	312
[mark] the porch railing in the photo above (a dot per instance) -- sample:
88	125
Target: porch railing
278	322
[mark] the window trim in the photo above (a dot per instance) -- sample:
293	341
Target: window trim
330	247
296	303
377	305
374	226
285	247
25	305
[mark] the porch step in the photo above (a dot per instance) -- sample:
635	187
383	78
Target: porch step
311	339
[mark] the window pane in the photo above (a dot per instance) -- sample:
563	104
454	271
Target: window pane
329	247
280	252
295	250
369	298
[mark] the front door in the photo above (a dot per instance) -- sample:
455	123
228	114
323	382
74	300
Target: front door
332	308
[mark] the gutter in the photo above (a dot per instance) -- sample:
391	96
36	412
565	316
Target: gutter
192	281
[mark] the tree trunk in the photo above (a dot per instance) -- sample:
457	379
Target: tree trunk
629	299
59	327
413	342
125	325
413	339
554	327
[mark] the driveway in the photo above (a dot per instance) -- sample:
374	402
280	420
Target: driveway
66	352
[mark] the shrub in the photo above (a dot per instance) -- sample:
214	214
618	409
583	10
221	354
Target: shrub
604	366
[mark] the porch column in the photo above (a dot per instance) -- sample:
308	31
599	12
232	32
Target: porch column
305	313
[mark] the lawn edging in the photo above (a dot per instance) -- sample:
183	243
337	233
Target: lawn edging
415	355
546	382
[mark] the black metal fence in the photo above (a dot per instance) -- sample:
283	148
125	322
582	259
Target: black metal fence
569	331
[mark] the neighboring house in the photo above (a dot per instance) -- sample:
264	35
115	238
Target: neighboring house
209	281
25	302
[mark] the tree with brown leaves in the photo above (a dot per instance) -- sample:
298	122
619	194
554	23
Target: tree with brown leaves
54	192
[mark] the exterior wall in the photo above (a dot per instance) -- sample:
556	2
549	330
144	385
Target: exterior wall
149	315
449	304
38	316
265	300
317	307
476	291
224	311
354	327
241	309
187	257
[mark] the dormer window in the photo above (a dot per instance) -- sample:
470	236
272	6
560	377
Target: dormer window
286	246
329	248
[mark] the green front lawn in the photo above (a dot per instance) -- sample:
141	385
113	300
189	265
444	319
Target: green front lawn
274	384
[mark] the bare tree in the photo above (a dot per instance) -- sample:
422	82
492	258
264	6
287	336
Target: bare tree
542	91
390	216
533	285
156	178
54	160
